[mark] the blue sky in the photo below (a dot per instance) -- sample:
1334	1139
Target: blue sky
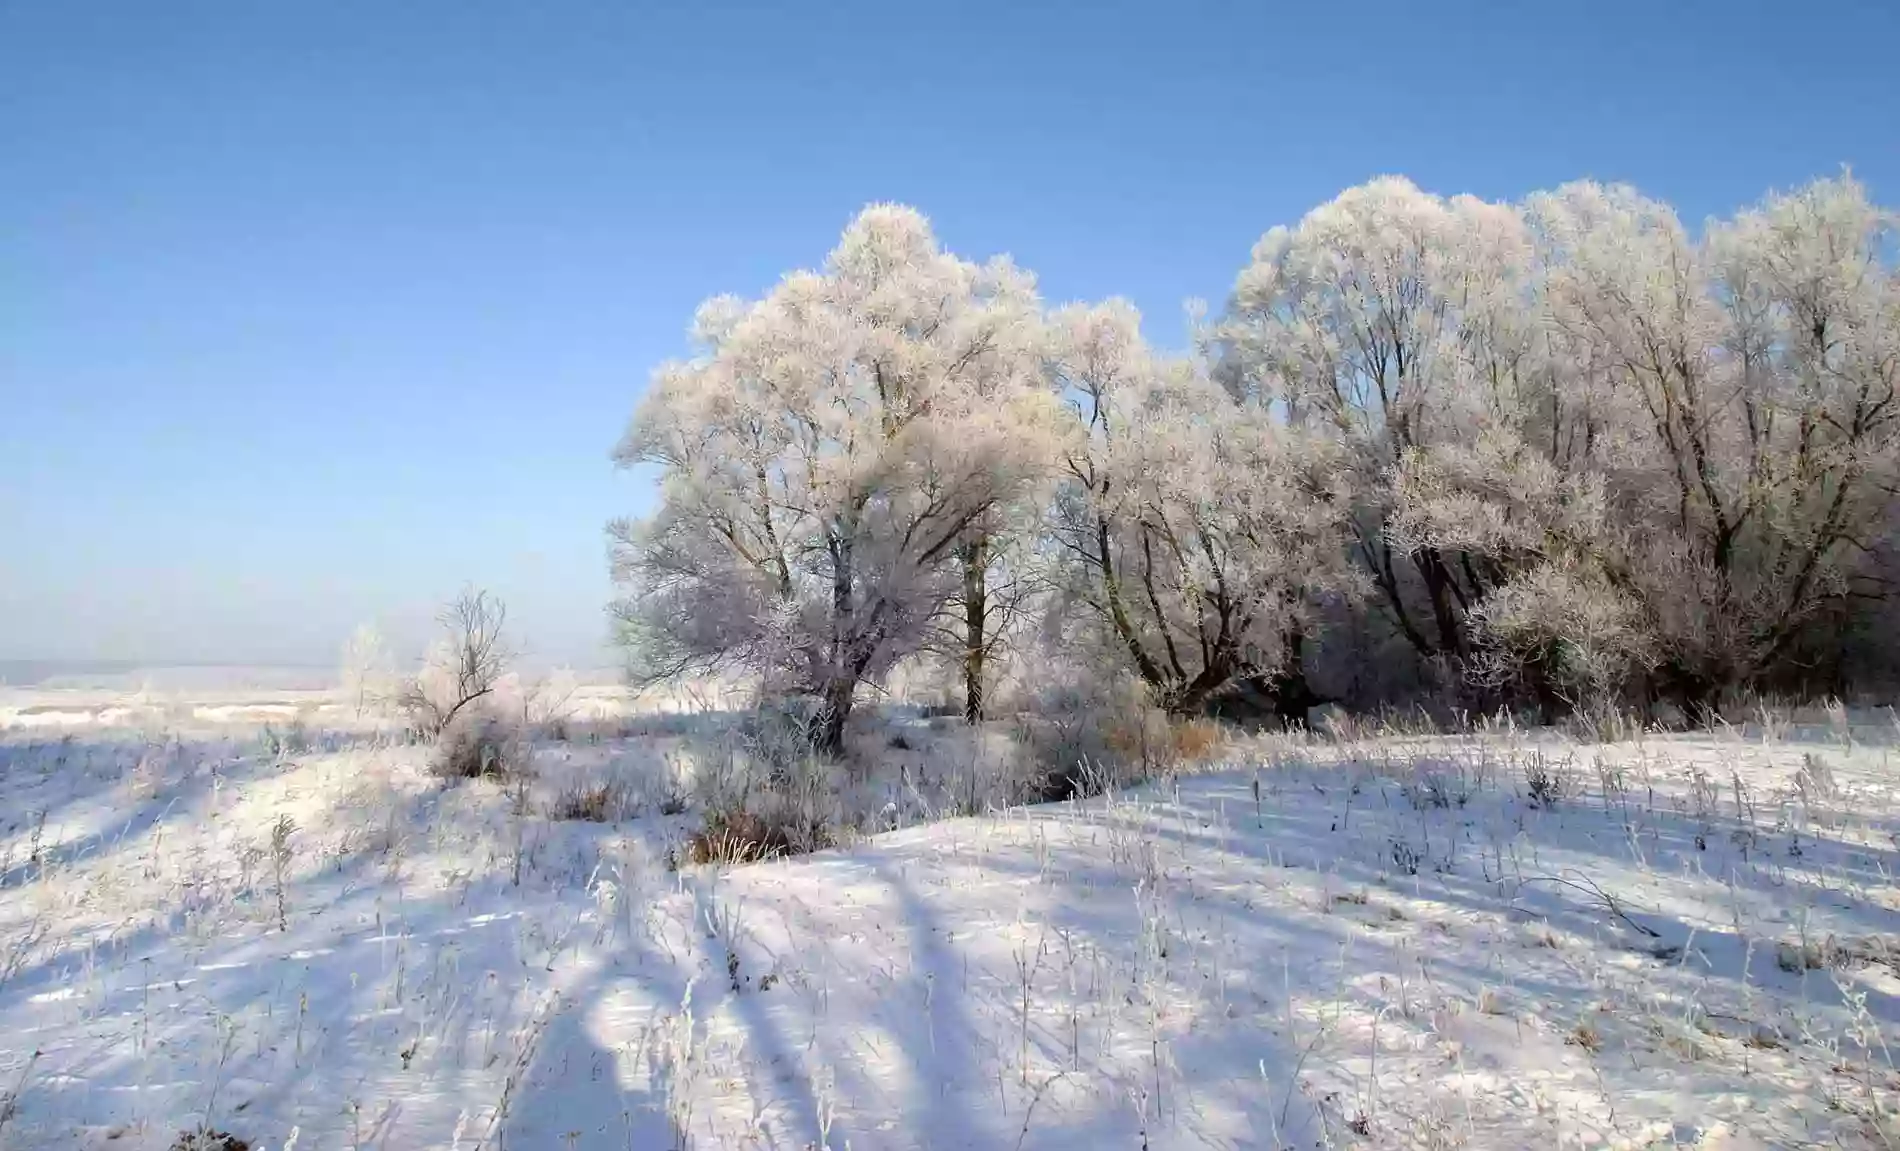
311	312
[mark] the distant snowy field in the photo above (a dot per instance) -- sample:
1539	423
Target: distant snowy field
55	697
1500	941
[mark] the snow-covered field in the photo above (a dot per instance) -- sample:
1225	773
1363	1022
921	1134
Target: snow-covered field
212	711
1496	940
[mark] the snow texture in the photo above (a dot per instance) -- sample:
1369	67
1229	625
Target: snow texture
1502	939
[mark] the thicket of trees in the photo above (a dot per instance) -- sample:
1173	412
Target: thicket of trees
1560	453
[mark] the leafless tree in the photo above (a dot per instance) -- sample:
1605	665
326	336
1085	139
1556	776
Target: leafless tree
368	674
464	666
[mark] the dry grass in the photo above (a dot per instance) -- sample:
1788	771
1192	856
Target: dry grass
1586	1036
609	801
1197	740
738	837
1160	743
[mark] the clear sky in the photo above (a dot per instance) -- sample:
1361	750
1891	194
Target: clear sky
311	312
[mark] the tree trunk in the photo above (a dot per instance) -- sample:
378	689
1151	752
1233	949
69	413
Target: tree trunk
976	557
1438	588
973	688
827	731
1694	692
1190	699
1551	706
1293	695
840	680
1285	700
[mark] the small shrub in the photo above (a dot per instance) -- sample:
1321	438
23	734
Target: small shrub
1080	744
1055	783
1430	790
1602	720
1826	955
1764	1039
1586	1036
608	801
1141	736
1546	782
205	1139
294	739
782	727
1157	743
1815	780
463	667
480	749
1196	740
740	837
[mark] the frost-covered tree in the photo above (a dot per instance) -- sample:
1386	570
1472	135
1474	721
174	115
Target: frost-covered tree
825	458
1200	529
1560	635
368	671
1567	447
1748	422
1390	321
1668	453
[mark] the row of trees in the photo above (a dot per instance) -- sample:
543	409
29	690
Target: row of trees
1560	451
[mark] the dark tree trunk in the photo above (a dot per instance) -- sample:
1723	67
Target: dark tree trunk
1439	589
1192	698
841	676
1550	705
976	559
1293	695
973	688
1283	701
827	730
1694	692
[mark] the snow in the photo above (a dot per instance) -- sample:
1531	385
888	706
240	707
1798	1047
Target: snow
1503	939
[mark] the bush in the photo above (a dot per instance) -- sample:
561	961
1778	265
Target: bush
783	729
294	739
608	801
765	791
1084	742
748	837
1547	781
1083	738
1196	740
480	748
